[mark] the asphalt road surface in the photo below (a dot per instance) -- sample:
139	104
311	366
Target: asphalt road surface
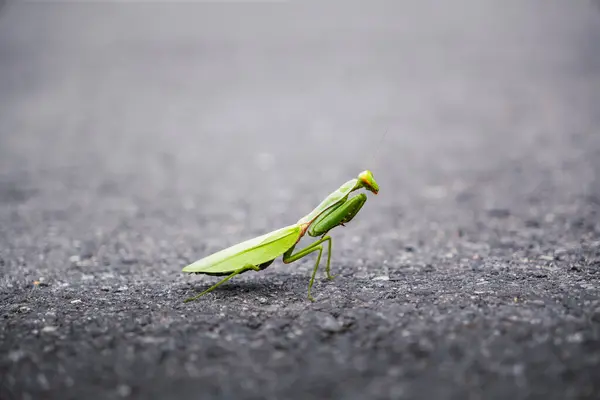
138	137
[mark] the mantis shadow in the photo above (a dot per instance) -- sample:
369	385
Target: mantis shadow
274	284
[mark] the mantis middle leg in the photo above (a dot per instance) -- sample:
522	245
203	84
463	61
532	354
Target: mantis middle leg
288	257
213	287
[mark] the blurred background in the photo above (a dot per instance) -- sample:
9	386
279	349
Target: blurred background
205	120
239	114
136	137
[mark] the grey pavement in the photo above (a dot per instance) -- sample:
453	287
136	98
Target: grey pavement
137	137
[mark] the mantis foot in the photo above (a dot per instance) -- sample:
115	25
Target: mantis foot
190	299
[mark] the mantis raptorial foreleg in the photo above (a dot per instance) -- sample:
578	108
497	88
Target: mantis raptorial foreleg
234	273
288	257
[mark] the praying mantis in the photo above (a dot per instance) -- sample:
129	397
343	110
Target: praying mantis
258	253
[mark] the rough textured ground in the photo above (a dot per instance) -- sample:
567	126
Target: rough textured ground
135	138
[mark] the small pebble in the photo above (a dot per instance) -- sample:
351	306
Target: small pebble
16	355
328	323
124	390
537	302
49	329
575	338
76	301
381	278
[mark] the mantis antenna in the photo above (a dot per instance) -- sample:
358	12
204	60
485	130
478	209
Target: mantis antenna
378	148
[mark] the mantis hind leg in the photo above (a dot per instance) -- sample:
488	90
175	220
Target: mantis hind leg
288	257
216	285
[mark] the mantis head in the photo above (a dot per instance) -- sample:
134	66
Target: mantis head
367	181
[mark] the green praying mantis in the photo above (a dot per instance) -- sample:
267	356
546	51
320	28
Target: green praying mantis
258	253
